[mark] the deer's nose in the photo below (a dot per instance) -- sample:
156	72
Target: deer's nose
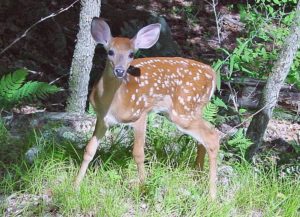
119	72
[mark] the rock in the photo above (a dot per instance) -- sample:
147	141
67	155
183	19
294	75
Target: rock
22	123
61	125
31	154
225	174
20	204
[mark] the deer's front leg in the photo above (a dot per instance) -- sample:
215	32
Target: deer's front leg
90	150
139	128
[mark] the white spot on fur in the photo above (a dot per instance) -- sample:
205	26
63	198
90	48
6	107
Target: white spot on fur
208	76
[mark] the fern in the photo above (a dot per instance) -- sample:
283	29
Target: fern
11	83
14	90
239	143
210	112
3	132
34	90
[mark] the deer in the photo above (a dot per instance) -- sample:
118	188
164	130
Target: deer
131	88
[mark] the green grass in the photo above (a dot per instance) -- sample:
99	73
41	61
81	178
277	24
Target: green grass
173	187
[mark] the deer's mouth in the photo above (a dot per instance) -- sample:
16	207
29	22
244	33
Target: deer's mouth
120	72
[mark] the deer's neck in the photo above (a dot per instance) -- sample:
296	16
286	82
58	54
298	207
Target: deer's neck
108	75
105	90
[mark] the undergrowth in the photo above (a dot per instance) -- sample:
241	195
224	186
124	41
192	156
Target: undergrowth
172	188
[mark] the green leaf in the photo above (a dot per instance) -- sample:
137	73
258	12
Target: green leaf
217	65
242	110
219	102
10	83
231	64
13	91
210	112
241	48
218	80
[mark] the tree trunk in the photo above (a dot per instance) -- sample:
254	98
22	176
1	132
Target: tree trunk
258	125
83	57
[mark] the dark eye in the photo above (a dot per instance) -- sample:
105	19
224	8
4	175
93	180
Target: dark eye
131	55
111	53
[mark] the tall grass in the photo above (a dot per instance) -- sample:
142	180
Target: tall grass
172	188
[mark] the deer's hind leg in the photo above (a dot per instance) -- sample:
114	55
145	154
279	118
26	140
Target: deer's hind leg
201	151
205	134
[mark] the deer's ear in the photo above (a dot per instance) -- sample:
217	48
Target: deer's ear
100	31
147	36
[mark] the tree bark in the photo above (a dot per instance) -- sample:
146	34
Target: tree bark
82	58
281	68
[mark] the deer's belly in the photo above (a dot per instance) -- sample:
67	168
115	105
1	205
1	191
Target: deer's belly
114	117
110	120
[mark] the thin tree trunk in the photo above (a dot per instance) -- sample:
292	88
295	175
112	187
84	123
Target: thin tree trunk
83	57
281	68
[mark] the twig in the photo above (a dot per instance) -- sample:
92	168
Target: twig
57	79
34	72
244	121
36	23
214	5
233	96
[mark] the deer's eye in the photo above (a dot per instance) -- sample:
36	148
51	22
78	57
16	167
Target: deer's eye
111	53
131	55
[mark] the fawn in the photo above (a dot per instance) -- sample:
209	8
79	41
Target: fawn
130	88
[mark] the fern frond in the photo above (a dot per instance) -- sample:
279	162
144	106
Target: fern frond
210	112
9	84
13	91
219	102
34	90
240	141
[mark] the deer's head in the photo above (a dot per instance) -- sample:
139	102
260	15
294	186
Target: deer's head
121	50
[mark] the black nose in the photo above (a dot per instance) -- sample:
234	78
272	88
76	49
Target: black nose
119	72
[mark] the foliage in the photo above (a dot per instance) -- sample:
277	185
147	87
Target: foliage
15	91
188	12
296	145
108	190
267	25
210	111
273	3
91	110
238	144
3	132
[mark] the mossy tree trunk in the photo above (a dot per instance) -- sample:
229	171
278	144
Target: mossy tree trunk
281	68
82	57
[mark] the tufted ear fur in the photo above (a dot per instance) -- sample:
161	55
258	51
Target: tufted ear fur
147	36
101	31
